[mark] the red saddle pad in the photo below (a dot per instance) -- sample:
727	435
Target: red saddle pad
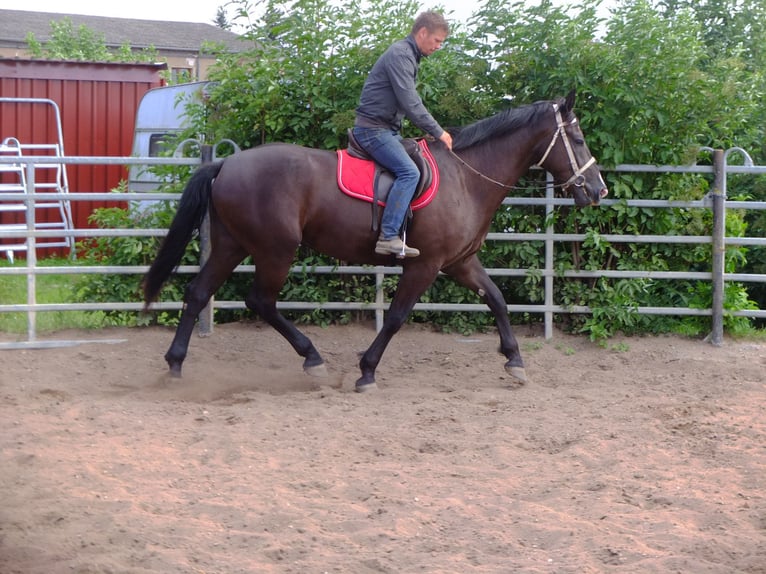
355	177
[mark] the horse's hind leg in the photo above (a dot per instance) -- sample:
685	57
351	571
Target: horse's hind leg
218	268
471	274
262	299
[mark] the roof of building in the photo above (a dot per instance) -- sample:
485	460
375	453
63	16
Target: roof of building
162	35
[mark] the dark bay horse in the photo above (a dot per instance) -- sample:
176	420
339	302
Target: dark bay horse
268	200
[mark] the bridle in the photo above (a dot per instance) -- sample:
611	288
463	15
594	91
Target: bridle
577	179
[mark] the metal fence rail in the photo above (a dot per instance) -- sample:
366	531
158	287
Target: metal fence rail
715	201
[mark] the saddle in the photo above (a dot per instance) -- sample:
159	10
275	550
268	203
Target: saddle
360	177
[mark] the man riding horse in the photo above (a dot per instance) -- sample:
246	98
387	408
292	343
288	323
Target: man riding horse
388	95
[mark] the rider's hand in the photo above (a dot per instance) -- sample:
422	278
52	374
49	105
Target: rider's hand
446	139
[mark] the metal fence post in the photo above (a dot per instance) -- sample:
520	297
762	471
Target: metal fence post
549	248
206	316
379	301
31	252
719	245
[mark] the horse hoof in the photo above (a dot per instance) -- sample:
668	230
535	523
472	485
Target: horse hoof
319	371
366	388
175	372
518	374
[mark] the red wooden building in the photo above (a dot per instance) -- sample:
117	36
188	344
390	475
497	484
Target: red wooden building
97	103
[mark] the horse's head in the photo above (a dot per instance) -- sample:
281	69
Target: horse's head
568	158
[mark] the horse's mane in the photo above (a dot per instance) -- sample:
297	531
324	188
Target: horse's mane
502	123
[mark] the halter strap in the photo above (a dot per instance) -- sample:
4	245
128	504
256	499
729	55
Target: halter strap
577	172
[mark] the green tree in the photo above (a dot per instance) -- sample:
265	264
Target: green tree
300	82
301	79
649	92
734	34
221	20
729	27
83	44
654	84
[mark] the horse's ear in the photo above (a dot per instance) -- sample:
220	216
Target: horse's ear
570	100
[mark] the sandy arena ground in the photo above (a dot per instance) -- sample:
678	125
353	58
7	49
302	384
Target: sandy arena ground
646	457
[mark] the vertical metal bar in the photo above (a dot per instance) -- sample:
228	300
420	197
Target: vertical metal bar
31	253
719	245
379	302
548	277
206	316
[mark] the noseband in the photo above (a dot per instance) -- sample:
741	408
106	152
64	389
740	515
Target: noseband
577	179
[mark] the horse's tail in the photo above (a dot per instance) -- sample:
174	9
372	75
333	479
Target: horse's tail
192	208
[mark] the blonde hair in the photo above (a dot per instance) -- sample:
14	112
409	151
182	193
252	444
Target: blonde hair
431	21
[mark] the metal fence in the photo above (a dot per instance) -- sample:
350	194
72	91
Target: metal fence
715	201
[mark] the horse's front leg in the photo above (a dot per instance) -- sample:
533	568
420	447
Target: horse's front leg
414	281
472	274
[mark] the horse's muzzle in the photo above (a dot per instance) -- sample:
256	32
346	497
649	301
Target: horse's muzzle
602	193
585	195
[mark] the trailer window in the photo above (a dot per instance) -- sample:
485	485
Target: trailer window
158	144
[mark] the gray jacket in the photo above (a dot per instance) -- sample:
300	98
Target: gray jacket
389	92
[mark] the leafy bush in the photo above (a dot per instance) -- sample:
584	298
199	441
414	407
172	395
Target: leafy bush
655	82
133	250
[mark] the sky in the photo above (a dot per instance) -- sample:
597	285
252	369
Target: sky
188	10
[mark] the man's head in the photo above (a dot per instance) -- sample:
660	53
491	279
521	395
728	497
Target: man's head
430	30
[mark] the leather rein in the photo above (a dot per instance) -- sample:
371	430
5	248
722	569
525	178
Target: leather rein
577	178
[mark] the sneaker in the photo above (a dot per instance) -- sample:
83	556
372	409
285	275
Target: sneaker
395	246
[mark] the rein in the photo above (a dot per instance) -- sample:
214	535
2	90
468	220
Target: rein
577	172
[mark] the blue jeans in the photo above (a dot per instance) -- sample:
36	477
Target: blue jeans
384	145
